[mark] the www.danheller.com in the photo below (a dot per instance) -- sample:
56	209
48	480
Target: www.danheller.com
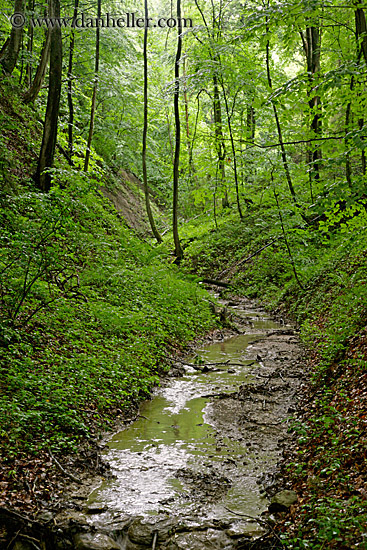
125	21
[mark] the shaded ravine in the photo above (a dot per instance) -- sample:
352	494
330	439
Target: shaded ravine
199	461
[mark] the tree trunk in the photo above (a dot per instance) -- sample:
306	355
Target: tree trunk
219	140
361	28
233	150
28	71
312	48
10	56
145	131
250	122
361	34
190	142
70	85
46	158
280	136
4	48
94	97
348	169
33	91
169	135
178	249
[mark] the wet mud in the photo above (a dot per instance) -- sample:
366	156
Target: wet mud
198	467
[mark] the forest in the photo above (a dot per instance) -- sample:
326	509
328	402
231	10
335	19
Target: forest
150	153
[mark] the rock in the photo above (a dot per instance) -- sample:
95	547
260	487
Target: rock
132	546
241	529
282	501
45	516
94	541
141	531
96	509
211	539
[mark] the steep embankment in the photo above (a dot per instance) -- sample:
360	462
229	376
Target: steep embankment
327	465
88	313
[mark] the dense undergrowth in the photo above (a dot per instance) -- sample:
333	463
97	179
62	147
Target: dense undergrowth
328	466
88	311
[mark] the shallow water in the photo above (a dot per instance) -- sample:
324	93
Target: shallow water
173	460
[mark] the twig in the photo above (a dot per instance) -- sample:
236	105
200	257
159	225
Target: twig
31	541
71	476
244	260
17	516
154	542
13	539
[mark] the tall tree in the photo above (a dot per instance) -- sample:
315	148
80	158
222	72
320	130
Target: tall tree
46	157
217	108
178	249
311	41
277	120
10	55
95	88
70	83
39	77
28	71
145	131
361	35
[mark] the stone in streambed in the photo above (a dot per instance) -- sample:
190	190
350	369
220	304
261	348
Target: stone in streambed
282	501
141	531
207	540
96	509
95	541
241	529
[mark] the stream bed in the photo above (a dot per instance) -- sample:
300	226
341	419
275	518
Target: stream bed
195	470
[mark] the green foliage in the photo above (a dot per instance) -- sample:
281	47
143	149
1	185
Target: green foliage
88	313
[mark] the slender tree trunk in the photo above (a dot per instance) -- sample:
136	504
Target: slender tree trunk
348	169
189	141
10	55
169	135
233	150
145	131
219	140
250	122
32	93
28	71
4	48
46	158
361	28
70	84
21	62
361	34
280	136
178	249
311	41
286	238
94	97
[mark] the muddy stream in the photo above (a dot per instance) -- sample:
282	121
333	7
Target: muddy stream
200	460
